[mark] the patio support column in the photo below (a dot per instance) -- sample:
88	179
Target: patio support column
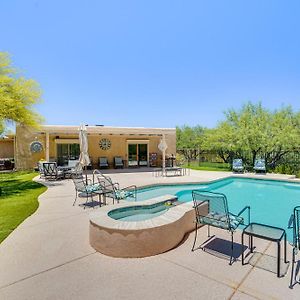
47	146
163	147
164	155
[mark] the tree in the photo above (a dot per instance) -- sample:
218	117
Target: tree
222	140
283	136
18	95
256	130
190	141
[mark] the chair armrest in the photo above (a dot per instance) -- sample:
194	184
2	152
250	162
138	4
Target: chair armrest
291	221
130	188
103	183
116	185
199	204
246	208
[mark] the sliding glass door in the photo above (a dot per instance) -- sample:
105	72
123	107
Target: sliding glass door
66	152
143	154
132	155
137	154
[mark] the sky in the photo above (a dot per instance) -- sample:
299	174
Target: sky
154	63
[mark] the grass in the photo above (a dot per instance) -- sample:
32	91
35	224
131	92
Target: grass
18	199
209	166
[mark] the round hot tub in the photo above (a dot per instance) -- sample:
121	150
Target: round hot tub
140	212
140	229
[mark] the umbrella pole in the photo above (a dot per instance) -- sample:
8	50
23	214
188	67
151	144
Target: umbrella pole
86	179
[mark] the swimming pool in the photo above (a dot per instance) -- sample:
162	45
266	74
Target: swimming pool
271	201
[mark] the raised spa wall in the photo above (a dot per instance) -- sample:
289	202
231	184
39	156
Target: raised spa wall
143	238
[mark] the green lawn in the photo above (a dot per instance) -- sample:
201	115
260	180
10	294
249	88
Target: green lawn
18	200
209	166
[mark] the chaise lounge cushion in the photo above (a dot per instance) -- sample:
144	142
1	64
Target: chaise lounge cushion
93	188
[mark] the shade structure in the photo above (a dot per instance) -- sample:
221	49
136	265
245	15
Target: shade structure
84	158
163	147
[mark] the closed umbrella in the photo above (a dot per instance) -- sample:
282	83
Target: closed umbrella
163	147
84	158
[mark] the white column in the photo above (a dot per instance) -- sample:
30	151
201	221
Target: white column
163	147
47	146
164	155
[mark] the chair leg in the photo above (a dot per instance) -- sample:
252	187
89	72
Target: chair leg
92	201
208	231
75	199
196	229
87	199
231	257
292	272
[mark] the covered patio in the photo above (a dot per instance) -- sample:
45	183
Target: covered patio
134	146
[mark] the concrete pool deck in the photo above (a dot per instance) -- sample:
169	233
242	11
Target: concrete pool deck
49	257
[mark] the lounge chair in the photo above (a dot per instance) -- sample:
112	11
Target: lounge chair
103	163
211	209
51	171
295	278
118	162
260	165
237	165
86	189
112	189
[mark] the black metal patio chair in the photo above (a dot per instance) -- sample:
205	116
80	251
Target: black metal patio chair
211	209
238	166
85	188
51	171
295	277
113	190
260	165
41	169
118	162
103	163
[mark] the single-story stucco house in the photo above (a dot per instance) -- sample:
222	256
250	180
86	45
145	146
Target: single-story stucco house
137	146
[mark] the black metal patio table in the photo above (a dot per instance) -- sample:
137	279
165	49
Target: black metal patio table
266	232
64	169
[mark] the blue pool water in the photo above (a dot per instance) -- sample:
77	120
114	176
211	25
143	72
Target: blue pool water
271	202
138	213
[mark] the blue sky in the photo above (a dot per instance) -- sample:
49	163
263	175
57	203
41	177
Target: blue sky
154	63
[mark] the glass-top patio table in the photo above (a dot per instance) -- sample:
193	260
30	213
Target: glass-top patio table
64	169
266	232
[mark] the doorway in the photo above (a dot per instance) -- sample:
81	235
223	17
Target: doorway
65	152
137	154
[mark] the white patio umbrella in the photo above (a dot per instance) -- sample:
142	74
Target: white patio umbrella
163	147
84	158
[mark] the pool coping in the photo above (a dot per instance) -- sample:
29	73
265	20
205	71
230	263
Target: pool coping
243	176
101	217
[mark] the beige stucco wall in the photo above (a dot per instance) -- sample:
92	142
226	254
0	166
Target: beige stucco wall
118	146
7	148
24	159
27	160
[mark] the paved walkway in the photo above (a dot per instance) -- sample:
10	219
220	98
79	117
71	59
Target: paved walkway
49	257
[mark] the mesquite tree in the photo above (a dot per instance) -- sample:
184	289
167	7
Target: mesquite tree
18	96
